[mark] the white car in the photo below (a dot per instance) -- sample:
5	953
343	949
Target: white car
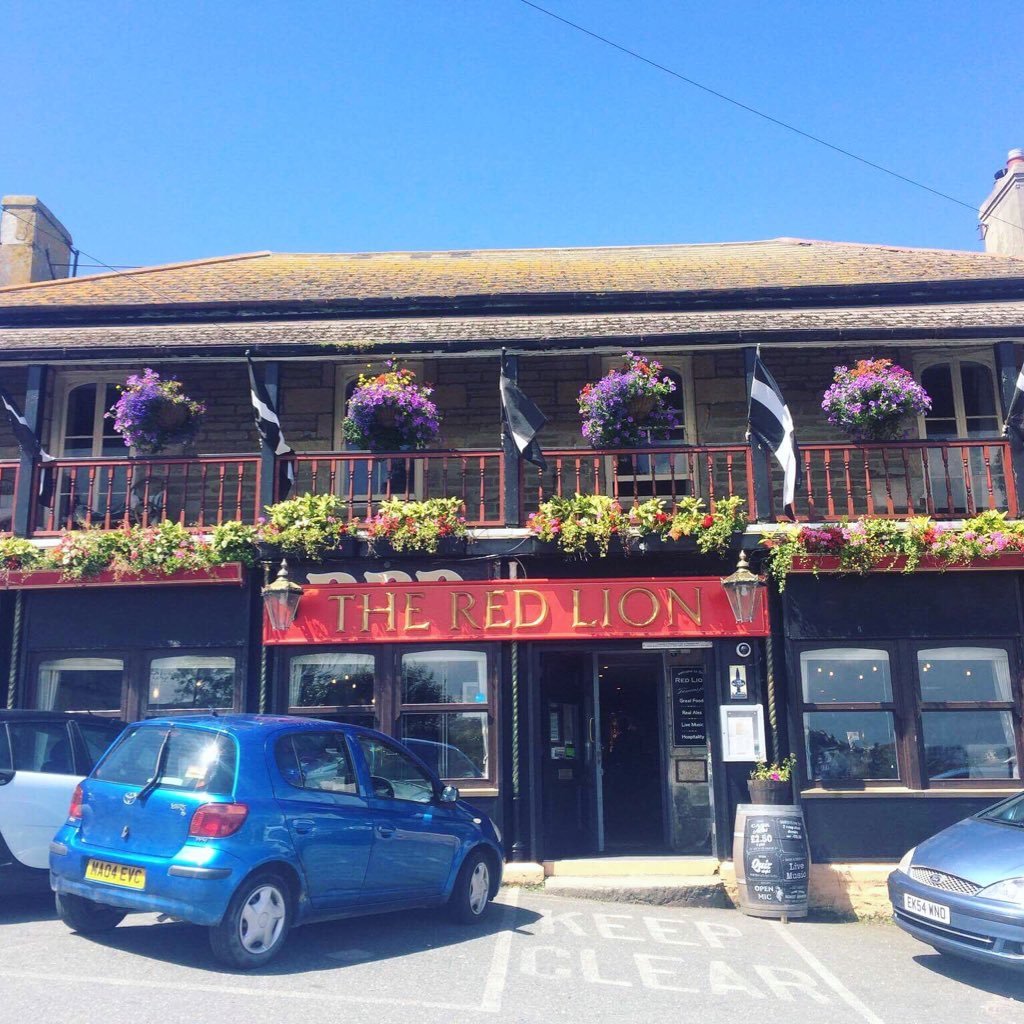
43	756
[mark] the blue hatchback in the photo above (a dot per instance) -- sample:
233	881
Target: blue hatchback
251	825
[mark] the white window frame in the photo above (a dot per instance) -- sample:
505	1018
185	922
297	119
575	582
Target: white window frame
926	360
65	384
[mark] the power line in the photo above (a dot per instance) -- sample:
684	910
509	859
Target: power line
99	263
758	113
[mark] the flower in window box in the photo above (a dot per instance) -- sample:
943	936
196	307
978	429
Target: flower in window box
389	411
872	400
628	407
417	525
152	414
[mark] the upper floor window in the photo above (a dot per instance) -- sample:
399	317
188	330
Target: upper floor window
964	399
85	430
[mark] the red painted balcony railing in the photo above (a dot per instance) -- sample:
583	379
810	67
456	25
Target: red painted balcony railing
110	493
8	490
364	479
671	471
900	479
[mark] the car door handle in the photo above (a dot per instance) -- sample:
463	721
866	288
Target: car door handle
385	831
304	826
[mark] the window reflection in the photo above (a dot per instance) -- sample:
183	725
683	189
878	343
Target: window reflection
850	745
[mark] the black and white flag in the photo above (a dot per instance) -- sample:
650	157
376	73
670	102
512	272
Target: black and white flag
772	425
269	426
524	420
1014	425
29	444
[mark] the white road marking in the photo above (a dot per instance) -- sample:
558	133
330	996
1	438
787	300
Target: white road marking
233	990
498	974
786	934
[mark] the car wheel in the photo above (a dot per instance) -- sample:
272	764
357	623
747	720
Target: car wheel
471	896
87	916
255	924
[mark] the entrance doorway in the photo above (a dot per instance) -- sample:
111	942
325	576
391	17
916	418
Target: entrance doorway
629	689
601	748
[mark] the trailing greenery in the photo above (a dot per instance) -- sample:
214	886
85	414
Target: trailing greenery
865	544
417	525
17	553
307	526
588	522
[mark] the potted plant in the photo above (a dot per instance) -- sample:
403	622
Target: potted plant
772	783
152	414
389	411
309	526
579	525
872	400
434	526
628	407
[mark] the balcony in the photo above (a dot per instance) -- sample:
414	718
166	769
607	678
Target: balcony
900	479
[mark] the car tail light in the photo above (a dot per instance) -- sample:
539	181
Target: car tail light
215	821
75	810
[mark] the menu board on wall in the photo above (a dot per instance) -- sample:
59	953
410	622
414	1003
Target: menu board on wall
688	728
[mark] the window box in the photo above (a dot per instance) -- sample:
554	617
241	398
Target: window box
51	579
897	563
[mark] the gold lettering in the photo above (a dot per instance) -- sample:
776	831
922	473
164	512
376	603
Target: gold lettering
459	612
541	618
492	608
341	599
655	606
412	599
674	598
577	623
606	599
388	610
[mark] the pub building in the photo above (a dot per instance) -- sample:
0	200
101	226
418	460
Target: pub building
600	706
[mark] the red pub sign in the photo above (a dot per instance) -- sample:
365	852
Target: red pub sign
519	609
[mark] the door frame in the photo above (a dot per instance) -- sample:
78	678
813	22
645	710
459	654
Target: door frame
592	730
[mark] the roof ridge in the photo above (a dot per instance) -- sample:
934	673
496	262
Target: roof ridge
7	289
895	247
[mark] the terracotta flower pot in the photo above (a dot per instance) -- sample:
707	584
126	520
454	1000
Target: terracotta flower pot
640	407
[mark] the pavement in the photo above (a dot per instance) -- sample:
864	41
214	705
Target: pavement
538	959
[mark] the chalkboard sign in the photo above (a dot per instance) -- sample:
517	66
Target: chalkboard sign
688	706
772	860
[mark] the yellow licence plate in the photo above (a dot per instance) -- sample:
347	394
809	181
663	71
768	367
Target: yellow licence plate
116	874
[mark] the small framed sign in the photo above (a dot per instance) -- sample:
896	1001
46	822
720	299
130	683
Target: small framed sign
743	732
738	682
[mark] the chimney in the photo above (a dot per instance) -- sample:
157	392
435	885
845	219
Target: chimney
1002	214
34	245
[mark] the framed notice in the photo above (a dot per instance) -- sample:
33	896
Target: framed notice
743	732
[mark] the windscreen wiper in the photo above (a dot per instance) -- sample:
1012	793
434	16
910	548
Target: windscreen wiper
161	763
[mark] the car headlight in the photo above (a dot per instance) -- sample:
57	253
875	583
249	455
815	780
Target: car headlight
1009	890
908	857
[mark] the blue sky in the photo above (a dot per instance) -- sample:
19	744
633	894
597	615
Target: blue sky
161	132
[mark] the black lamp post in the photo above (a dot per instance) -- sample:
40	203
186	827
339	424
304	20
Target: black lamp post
741	589
281	599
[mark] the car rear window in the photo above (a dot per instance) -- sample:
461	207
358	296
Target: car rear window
196	759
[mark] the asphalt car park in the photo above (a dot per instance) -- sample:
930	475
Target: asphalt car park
536	958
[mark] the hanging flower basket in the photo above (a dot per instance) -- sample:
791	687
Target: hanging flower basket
391	412
628	408
153	414
873	400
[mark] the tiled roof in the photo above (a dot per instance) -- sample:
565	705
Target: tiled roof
938	320
267	277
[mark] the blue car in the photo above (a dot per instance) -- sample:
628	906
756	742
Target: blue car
252	825
962	891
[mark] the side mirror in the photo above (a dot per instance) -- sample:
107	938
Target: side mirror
449	795
6	774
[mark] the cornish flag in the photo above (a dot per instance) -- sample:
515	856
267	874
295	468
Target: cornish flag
29	444
772	426
1014	425
524	421
269	426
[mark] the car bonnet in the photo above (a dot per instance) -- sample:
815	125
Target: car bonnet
982	852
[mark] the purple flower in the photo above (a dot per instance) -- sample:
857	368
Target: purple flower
871	400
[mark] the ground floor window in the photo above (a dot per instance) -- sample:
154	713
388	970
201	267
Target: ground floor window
439	701
80	684
920	715
190	682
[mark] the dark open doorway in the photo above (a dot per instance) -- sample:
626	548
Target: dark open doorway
629	688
